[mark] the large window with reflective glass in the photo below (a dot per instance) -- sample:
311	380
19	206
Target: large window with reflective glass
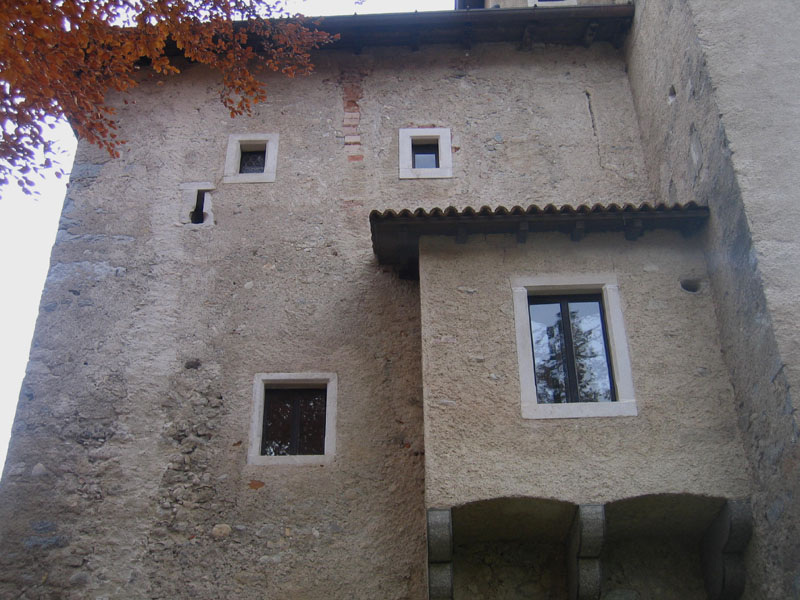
294	421
570	349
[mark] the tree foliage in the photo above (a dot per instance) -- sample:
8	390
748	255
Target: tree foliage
60	58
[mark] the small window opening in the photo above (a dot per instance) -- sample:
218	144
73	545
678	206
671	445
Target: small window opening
253	158
294	421
197	215
690	285
425	154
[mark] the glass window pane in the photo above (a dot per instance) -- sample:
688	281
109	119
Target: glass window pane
588	342
277	437
252	161
312	422
425	156
549	359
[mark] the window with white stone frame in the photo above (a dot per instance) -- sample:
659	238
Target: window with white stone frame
571	347
425	153
293	419
251	158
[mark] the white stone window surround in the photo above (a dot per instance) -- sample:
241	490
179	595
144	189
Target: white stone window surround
606	285
247	142
429	135
188	202
313	379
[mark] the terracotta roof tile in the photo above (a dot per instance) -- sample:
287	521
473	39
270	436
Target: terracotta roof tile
395	235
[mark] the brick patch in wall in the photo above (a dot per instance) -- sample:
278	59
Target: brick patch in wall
351	94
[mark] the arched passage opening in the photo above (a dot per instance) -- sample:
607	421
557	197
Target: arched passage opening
666	546
511	548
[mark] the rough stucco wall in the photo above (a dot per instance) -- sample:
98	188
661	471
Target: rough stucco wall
130	439
520	121
477	445
726	138
509	571
668	569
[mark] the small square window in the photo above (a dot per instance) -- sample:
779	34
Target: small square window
293	419
251	158
425	153
571	346
252	161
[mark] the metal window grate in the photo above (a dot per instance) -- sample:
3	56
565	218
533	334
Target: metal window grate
253	161
294	421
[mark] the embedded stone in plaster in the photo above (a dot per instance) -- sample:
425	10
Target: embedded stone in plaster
440	535
440	553
586	543
723	548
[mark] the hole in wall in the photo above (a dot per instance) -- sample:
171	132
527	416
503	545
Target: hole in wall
672	94
197	215
690	285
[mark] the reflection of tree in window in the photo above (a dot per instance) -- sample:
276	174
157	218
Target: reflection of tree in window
294	422
571	362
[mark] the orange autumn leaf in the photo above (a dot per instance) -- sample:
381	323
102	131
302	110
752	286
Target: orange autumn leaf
61	59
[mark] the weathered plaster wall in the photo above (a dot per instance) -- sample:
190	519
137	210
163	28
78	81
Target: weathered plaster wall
668	569
509	571
477	445
126	474
719	125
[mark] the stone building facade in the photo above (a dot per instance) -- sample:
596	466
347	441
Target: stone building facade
376	235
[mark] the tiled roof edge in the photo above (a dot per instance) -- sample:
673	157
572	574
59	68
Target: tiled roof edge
395	235
564	209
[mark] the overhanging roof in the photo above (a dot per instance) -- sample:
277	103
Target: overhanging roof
557	25
574	25
395	235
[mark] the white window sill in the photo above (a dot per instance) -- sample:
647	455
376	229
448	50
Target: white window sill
440	173
295	460
577	410
249	178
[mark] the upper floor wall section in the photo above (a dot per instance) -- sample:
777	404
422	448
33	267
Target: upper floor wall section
546	124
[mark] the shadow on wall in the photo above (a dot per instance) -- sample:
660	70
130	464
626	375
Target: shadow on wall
666	546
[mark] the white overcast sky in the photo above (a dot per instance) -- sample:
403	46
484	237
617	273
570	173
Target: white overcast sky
30	227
